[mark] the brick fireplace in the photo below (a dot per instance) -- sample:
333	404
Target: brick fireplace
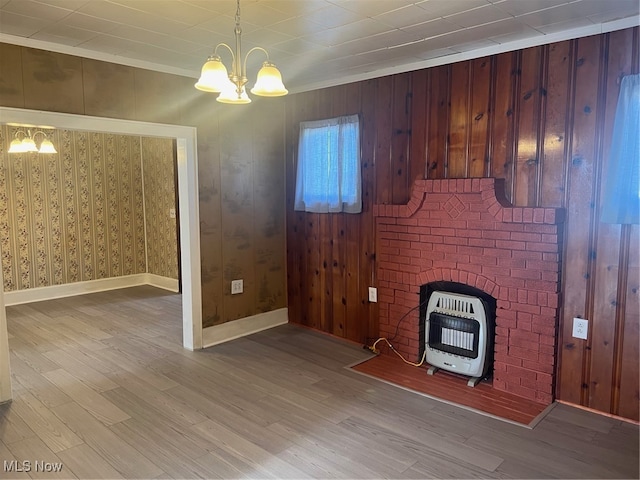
465	231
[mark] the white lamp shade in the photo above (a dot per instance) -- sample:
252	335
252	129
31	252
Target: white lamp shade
230	95
47	147
29	145
269	82
213	77
16	146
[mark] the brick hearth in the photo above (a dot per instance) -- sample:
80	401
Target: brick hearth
465	231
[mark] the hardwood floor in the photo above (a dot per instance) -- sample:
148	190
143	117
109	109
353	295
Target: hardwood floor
103	387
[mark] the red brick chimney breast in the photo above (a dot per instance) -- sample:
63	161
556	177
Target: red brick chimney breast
465	231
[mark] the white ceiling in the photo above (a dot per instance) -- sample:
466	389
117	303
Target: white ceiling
314	43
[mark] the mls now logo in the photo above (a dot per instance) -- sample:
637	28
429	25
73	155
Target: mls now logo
14	466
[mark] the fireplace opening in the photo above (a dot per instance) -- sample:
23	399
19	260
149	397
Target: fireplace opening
457	325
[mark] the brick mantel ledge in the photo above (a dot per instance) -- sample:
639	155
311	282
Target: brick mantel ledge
492	191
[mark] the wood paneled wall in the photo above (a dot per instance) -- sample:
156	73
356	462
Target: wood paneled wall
240	162
541	118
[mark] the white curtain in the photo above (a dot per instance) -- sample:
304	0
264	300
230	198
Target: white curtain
621	195
328	176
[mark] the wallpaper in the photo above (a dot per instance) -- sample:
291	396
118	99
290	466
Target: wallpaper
73	216
159	199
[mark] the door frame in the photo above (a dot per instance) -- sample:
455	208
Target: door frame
186	143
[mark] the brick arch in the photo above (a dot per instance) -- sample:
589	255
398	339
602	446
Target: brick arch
460	276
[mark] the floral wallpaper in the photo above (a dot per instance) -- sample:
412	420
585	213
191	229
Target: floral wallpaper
159	199
79	214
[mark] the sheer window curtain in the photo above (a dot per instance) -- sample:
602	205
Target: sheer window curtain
328	176
621	195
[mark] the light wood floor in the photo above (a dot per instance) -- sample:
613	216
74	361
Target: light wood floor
103	386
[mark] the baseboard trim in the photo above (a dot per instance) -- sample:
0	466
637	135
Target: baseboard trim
52	292
244	326
165	283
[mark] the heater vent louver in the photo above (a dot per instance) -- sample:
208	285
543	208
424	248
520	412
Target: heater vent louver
455	304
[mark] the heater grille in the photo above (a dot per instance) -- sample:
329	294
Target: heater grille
456	333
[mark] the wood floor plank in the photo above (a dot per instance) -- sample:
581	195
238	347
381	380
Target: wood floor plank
34	359
454	450
39	456
165	455
121	455
85	462
121	361
253	431
338	455
158	399
45	424
12	427
9	458
261	460
41	388
85	373
89	399
279	403
159	424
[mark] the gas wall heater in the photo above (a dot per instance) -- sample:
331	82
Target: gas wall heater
456	335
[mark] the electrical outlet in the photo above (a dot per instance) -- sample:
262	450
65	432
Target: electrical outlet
236	286
172	213
373	294
580	328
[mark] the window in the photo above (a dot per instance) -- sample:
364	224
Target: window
621	195
328	177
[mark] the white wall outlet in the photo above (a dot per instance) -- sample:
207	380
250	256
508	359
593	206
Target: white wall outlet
236	286
373	294
580	328
172	213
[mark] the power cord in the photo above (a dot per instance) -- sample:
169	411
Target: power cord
382	339
373	348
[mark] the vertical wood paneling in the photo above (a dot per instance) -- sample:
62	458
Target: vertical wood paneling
294	225
367	323
384	135
626	398
312	238
501	137
558	90
354	323
479	117
459	118
527	157
400	140
437	117
608	239
539	118
420	86
578	253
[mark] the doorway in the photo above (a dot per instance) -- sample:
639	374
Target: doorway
187	189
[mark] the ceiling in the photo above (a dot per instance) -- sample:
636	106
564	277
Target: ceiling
315	43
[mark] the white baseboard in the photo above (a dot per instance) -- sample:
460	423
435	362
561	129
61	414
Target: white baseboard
39	294
166	283
244	326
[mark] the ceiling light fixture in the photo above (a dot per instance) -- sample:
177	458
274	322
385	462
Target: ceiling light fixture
28	144
231	86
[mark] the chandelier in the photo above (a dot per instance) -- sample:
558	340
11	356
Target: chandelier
28	142
231	86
